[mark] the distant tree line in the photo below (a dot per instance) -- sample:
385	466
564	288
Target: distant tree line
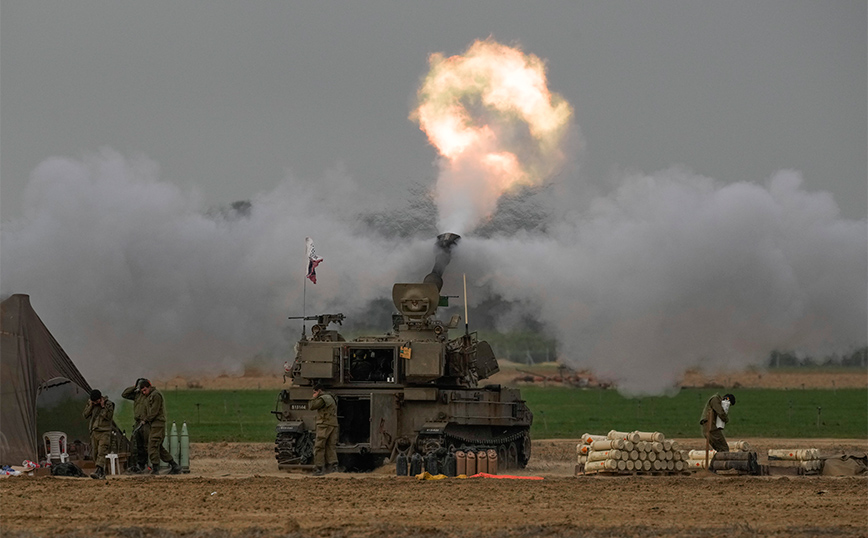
789	359
531	347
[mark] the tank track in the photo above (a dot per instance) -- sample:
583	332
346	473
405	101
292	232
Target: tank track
513	447
481	440
292	448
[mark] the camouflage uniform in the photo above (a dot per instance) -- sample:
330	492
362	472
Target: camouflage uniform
326	431
155	418
712	411
140	436
100	427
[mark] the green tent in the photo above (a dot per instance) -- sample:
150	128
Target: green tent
33	367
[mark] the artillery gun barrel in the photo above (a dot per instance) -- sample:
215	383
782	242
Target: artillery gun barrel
445	242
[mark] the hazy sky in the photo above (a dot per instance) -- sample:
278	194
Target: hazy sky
228	97
708	204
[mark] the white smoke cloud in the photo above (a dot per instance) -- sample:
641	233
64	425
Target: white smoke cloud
672	271
135	279
665	272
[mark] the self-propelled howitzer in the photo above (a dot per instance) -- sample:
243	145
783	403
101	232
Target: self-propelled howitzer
411	390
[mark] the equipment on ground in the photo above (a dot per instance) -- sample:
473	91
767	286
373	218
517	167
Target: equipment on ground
184	458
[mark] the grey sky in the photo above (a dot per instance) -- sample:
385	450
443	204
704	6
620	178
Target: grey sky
228	97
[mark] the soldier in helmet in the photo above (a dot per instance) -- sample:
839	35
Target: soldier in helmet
155	418
139	437
100	412
715	415
325	459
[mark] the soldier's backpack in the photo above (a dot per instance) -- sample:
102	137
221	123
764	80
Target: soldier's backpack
67	469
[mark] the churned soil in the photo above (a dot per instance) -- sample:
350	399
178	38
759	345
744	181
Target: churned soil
235	490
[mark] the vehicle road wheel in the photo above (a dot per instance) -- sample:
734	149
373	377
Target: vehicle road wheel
512	456
501	457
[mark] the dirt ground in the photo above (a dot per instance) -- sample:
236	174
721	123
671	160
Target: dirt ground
236	490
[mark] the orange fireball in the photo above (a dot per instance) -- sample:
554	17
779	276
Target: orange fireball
496	125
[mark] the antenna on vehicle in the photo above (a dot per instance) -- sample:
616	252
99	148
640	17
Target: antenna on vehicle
466	321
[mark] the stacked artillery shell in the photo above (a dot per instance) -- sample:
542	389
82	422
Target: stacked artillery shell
806	459
588	438
633	437
745	462
739	446
628	452
584	448
607	455
657	454
695	459
787	454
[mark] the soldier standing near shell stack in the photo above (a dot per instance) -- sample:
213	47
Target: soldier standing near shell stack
325	458
715	415
155	418
99	411
139	436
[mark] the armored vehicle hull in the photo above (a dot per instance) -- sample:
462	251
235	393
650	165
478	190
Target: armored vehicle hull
375	424
411	391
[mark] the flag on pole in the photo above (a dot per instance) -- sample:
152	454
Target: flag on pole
312	260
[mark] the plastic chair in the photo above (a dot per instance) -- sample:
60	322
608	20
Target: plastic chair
55	446
113	463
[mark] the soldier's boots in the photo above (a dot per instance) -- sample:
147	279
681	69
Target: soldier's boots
99	474
333	468
174	468
319	471
155	469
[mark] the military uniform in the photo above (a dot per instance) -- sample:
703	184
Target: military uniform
326	431
155	418
100	422
714	415
141	429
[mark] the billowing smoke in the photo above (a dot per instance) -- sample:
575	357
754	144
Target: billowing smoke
664	272
672	271
134	277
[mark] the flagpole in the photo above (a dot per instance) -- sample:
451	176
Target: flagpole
304	297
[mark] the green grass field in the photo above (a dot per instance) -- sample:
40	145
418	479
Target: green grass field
244	415
567	413
215	415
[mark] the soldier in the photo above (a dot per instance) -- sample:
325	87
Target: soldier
155	418
715	415
99	411
139	437
325	459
